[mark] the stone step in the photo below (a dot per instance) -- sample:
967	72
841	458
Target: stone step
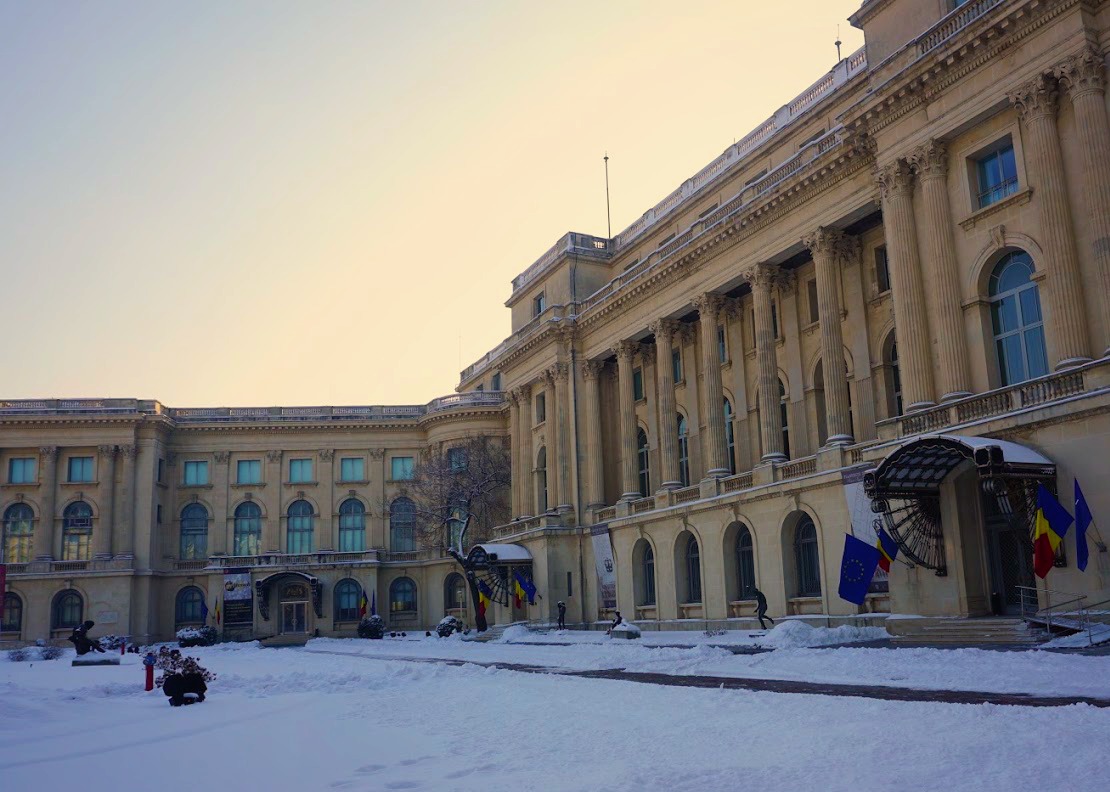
989	630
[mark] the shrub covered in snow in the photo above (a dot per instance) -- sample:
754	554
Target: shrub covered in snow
195	636
448	625
112	643
371	627
51	652
20	655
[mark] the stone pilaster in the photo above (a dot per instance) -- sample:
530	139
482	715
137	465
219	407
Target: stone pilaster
514	452
327	531
1083	76
942	271
125	533
762	278
907	289
102	533
595	451
1037	102
664	330
561	372
48	476
709	306
527	462
271	524
624	351
825	246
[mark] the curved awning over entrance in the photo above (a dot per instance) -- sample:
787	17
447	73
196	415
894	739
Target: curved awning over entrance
905	488
484	555
263	587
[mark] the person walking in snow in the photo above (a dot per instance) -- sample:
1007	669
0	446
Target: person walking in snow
562	615
760	607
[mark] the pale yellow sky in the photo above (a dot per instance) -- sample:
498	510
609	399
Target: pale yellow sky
289	203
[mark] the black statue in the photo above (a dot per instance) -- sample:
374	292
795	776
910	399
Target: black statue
81	640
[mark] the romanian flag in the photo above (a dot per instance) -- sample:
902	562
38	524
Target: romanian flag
1051	525
525	588
217	613
518	592
485	597
888	550
362	604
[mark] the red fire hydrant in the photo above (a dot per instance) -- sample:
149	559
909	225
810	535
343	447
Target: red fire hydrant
148	661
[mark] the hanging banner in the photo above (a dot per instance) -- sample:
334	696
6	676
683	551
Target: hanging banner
238	597
863	519
606	567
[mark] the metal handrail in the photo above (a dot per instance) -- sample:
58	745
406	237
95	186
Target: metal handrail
1048	611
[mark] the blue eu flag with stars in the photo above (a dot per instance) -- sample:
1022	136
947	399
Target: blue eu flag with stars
857	568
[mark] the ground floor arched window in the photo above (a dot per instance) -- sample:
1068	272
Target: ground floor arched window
745	562
807	559
11	621
348	593
67	610
402	596
189	607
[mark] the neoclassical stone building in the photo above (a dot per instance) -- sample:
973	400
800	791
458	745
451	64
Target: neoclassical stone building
889	303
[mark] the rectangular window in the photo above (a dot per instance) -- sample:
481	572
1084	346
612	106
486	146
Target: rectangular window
21	470
401	468
196	474
539	304
882	270
541	408
248	471
722	347
997	175
352	469
637	384
665	241
158	514
570	590
80	469
495	382
676	363
775	319
814	313
300	471
456	459
161	471
707	211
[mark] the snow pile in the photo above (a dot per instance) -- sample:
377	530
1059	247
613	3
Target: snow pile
515	632
629	629
799	635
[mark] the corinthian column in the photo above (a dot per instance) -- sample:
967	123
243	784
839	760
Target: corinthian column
1084	77
942	271
527	498
102	535
762	279
562	443
664	330
624	352
1036	102
825	244
595	482
44	533
709	306
910	322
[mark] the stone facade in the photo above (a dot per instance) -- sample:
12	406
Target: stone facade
915	245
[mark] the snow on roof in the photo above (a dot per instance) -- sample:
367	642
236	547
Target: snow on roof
507	552
1012	452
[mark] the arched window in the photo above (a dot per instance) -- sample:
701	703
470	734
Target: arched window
298	530
693	571
248	529
730	437
402	596
194	532
67	611
643	461
784	416
745	562
541	480
352	526
683	451
402	525
76	532
348	594
806	558
189	607
822	404
647	571
894	406
1016	319
12	619
19	527
454	592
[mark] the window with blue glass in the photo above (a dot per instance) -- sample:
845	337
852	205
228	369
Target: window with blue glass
401	468
248	529
248	471
352	469
347	595
637	384
997	175
189	606
196	474
1016	320
495	382
457	459
80	469
194	533
298	533
300	471
402	526
676	363
352	526
21	470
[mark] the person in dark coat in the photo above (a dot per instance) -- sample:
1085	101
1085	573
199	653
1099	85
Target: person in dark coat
760	607
562	615
81	640
616	620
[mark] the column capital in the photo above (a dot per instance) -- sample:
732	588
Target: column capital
930	160
325	454
626	350
222	457
273	456
763	276
709	305
823	241
560	372
524	392
129	451
49	452
591	369
895	179
108	450
1036	98
663	329
1082	73
377	453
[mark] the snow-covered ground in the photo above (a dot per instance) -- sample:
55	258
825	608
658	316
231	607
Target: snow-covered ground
354	715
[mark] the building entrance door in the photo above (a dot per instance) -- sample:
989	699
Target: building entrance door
1010	556
293	618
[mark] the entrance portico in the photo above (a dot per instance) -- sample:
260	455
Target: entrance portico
298	602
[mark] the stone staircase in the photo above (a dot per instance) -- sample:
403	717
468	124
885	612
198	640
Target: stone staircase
965	631
277	641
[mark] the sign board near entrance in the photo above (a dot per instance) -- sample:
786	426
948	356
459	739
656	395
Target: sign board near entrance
606	568
238	597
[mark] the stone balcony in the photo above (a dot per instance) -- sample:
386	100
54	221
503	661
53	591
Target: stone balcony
288	560
98	565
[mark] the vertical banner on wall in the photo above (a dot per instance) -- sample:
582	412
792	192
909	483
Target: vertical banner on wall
606	567
863	519
238	597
